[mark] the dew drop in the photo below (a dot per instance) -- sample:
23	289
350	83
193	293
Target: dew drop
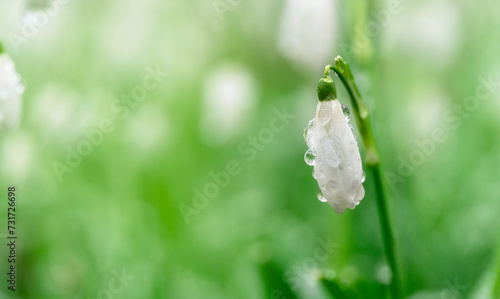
363	177
359	192
309	133
331	156
352	130
332	186
347	113
320	174
320	196
309	157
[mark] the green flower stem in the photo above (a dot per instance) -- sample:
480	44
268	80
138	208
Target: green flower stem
496	285
372	160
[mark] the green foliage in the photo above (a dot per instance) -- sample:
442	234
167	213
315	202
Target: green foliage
118	209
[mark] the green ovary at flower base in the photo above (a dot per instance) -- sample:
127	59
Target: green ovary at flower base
335	155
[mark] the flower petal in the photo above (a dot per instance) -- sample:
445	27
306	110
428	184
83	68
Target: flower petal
337	157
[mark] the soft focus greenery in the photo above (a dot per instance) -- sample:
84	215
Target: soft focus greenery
119	209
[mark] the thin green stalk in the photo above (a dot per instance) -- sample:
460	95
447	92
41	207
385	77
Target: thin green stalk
372	160
496	284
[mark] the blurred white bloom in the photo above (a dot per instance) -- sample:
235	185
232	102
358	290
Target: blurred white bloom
229	95
307	32
10	94
334	152
429	31
146	130
17	156
425	111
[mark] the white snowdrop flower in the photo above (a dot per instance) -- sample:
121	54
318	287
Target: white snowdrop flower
333	151
230	94
10	94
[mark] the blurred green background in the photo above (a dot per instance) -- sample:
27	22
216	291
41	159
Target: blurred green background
124	222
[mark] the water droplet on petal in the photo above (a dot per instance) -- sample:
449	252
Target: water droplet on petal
309	133
363	177
352	205
309	157
352	130
332	186
347	113
331	156
320	174
320	196
359	192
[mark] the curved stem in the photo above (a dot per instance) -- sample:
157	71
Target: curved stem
372	160
362	117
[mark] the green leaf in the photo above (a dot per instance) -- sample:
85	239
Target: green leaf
331	284
274	284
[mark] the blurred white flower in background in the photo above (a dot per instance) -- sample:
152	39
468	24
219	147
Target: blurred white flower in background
429	31
229	99
425	111
16	157
10	94
307	32
146	130
58	113
115	32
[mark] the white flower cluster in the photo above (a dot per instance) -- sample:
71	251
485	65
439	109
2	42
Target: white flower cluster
334	153
11	90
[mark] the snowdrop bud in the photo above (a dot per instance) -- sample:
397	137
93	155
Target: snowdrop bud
10	94
334	153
